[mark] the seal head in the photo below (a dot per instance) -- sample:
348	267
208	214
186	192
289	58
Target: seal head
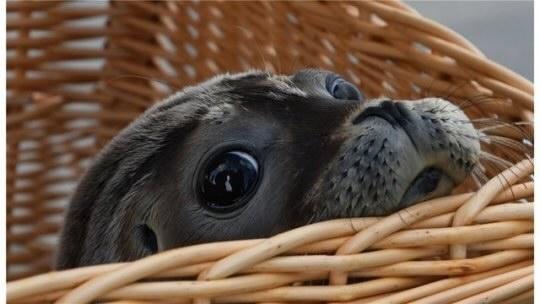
253	154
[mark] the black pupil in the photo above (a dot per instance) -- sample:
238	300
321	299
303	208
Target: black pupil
229	178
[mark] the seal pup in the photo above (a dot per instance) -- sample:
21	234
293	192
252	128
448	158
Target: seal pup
253	154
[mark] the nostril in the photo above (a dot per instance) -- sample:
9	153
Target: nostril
386	104
398	111
403	111
377	111
391	108
395	113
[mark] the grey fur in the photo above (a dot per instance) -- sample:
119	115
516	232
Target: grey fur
318	164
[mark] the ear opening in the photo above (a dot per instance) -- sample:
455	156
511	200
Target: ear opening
146	237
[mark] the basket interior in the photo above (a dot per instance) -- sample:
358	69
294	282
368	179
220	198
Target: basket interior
78	72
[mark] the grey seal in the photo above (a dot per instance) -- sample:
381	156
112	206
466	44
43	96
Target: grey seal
253	154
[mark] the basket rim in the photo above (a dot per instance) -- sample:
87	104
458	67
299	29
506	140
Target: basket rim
102	279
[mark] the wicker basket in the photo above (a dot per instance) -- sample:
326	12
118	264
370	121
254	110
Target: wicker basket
78	72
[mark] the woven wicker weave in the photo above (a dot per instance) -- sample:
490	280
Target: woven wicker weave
78	72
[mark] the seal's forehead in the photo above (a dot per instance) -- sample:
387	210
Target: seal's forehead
303	82
234	89
252	79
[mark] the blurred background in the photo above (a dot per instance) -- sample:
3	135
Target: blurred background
502	30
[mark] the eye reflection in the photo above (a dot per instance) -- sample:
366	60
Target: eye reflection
228	179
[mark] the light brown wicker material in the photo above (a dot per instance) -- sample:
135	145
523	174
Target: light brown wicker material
259	269
78	72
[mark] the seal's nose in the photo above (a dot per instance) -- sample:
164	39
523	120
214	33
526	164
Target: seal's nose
394	112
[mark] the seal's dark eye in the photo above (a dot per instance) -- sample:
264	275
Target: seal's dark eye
342	89
228	180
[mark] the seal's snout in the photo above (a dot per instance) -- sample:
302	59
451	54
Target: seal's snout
400	153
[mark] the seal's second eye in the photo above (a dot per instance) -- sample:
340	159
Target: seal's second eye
228	180
340	88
